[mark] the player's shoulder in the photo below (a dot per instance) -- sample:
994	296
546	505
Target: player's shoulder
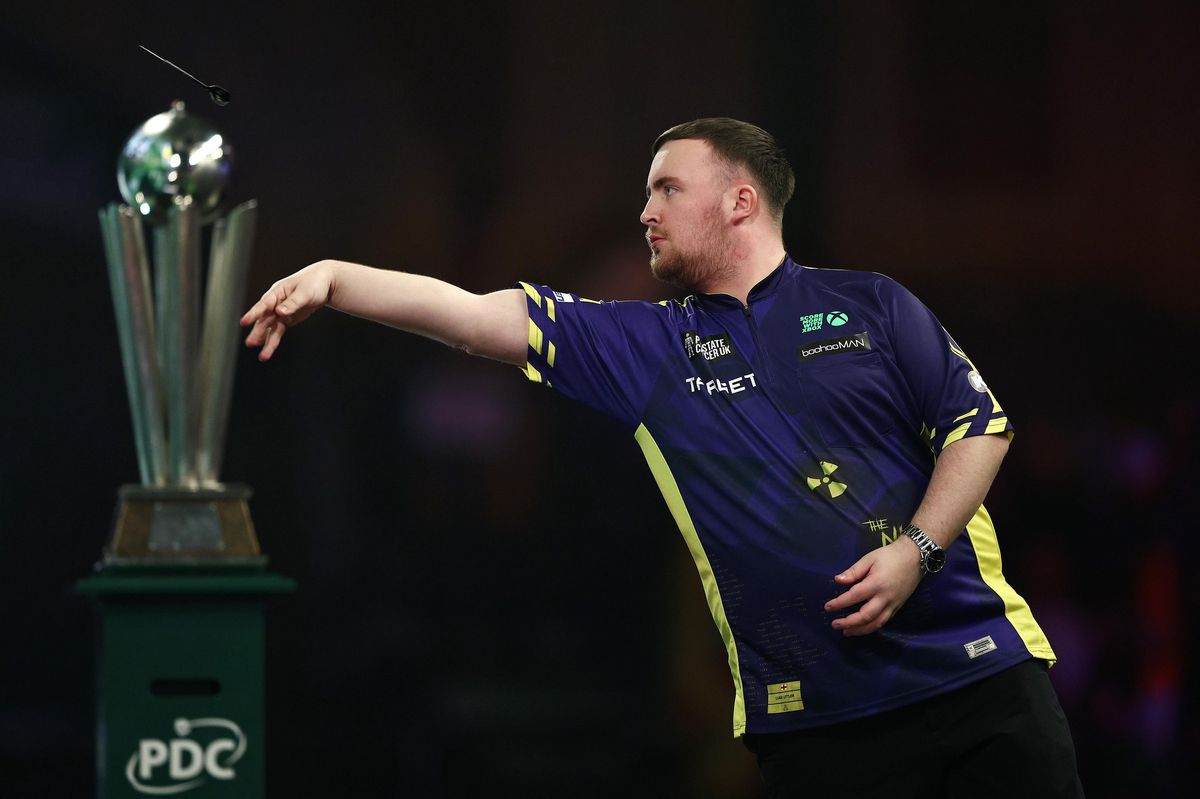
639	311
857	283
847	277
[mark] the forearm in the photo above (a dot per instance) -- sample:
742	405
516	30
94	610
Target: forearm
492	325
414	303
961	478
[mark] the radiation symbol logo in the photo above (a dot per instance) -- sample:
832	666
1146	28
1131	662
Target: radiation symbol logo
836	489
836	318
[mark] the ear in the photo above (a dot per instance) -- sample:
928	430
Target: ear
745	202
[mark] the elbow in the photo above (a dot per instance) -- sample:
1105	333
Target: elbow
471	340
475	339
498	328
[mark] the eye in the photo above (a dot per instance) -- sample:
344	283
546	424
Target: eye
669	190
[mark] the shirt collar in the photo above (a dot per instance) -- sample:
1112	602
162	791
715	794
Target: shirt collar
762	289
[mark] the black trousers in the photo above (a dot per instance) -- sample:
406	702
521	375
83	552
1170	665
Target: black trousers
1004	737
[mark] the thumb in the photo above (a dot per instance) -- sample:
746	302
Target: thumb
297	298
856	572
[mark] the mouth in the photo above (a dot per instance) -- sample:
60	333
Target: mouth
653	240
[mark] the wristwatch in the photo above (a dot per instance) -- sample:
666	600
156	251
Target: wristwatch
933	557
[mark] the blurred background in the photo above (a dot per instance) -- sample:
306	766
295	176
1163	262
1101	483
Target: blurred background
492	595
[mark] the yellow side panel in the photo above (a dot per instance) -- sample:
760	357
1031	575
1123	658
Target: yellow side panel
670	491
1016	610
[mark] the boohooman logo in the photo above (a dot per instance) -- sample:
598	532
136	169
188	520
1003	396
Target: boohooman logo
188	763
859	341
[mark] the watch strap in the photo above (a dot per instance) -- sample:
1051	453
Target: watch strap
933	557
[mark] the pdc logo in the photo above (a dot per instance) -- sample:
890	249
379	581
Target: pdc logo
163	768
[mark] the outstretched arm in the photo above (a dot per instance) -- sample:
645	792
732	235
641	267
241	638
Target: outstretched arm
493	325
884	578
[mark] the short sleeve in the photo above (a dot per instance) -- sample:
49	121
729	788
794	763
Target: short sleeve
954	400
603	354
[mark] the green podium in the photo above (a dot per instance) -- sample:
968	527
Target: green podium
181	593
180	679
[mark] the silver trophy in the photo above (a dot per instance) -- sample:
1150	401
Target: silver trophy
179	353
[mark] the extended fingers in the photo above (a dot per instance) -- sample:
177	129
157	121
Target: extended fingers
274	334
859	593
265	305
258	333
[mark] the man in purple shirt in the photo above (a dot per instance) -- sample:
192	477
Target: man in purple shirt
824	447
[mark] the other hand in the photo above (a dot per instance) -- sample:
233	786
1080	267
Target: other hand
882	581
287	303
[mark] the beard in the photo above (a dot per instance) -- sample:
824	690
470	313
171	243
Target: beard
707	261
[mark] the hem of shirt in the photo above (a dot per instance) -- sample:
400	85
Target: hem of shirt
762	723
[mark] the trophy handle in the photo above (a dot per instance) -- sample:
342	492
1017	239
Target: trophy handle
129	277
233	239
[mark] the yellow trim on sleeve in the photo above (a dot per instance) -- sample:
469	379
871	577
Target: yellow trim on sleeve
535	337
532	292
670	491
971	412
987	555
585	299
532	373
997	425
550	309
550	354
956	434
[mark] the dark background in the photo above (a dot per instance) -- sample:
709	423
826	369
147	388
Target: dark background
493	597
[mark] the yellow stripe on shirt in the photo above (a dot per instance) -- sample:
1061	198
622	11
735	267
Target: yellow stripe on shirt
532	292
535	337
670	491
987	555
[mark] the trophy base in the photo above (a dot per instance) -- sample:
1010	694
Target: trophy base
183	527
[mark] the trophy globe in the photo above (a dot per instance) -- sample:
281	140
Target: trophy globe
172	155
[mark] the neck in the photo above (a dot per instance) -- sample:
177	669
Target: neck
750	265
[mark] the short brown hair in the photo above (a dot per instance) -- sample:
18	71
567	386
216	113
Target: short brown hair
742	144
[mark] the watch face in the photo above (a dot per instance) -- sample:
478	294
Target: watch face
935	560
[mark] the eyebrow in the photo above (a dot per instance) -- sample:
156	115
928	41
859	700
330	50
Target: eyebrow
658	184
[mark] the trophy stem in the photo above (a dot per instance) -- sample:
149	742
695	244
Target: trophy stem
177	264
232	241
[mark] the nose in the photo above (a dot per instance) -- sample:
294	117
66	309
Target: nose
650	213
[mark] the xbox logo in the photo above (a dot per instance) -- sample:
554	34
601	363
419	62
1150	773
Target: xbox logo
836	318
